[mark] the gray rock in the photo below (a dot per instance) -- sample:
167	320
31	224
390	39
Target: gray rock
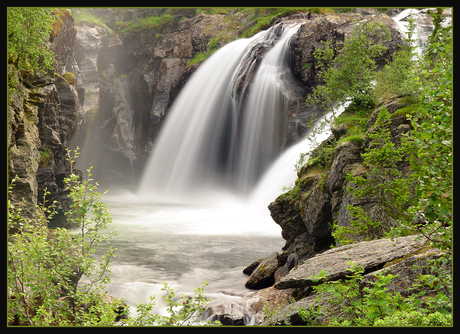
336	261
263	275
230	314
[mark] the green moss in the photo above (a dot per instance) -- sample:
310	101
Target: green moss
407	110
45	156
84	16
357	139
69	77
144	23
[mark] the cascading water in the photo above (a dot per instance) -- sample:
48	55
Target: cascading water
226	125
225	129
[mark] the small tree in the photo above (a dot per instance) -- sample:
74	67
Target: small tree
28	30
348	76
45	266
383	185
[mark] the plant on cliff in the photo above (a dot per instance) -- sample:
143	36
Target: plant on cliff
356	301
28	30
348	74
383	184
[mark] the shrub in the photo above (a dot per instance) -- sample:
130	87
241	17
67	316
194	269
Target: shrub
348	75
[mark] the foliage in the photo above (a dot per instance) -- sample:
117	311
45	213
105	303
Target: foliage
55	279
186	311
431	142
357	302
46	266
348	74
400	75
28	30
383	184
144	23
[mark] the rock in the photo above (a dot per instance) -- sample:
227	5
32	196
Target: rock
407	270
268	299
263	275
57	116
230	314
250	269
291	262
334	28
368	254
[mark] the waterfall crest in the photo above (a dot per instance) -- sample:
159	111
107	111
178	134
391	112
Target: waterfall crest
227	124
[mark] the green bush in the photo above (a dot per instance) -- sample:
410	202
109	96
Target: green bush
356	302
46	267
348	74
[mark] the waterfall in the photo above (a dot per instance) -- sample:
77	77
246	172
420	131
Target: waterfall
228	123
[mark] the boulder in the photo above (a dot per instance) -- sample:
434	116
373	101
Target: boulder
407	269
263	275
230	314
371	255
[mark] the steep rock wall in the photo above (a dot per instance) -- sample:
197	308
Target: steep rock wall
42	117
143	69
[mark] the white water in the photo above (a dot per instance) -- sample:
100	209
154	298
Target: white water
200	216
212	137
418	36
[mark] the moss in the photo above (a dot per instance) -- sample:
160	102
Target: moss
60	14
144	23
45	156
357	139
407	110
83	15
70	78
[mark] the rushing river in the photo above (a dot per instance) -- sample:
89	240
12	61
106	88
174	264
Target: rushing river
186	244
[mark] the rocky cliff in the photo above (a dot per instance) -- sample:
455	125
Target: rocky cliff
133	63
320	198
42	118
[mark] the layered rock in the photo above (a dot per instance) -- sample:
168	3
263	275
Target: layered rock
42	117
320	197
405	257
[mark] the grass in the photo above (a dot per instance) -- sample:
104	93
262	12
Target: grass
144	23
83	15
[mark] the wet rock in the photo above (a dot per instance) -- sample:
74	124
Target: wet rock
263	275
291	262
230	314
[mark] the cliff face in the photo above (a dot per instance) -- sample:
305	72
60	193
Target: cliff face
132	72
42	117
320	197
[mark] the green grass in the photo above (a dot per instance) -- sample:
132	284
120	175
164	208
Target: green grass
144	23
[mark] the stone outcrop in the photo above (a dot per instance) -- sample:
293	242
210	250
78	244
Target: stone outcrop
23	147
336	262
406	257
57	110
42	117
334	28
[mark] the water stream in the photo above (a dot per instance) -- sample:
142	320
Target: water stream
197	216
